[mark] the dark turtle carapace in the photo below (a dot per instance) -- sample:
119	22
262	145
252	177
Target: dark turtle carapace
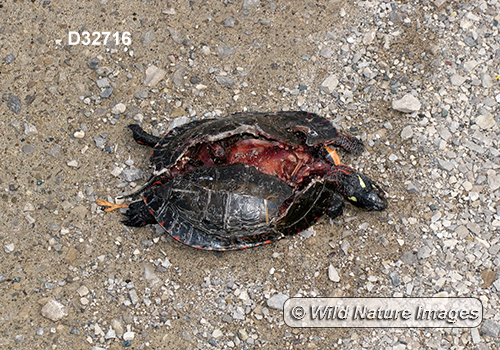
248	179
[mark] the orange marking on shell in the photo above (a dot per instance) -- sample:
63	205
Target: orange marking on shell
333	153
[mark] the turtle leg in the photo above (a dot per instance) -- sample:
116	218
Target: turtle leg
336	207
138	215
142	137
349	143
110	206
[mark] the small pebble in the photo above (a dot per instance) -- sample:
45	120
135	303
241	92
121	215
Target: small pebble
333	274
128	335
131	174
103	83
486	121
93	63
28	149
225	51
107	92
141	95
217	333
110	334
82	291
407	104
457	80
54	310
9	58
119	108
79	134
490	328
9	248
30	129
153	76
277	301
14	104
18	339
406	133
329	84
134	298
229	22
223	80
73	164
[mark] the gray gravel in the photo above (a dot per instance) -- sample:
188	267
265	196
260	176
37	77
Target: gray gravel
416	81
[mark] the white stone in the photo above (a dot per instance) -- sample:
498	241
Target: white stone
98	330
79	134
333	274
486	81
406	133
128	335
465	24
30	219
30	129
329	84
476	338
457	80
493	180
205	50
116	171
450	243
277	301
407	104
73	164
470	65
111	334
248	4
9	248
307	233
326	52
134	298
54	310
119	108
150	276
82	291
154	75
166	263
486	121
29	207
467	186
217	333
369	37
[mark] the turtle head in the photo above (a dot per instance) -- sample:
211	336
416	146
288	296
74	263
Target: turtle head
366	194
357	188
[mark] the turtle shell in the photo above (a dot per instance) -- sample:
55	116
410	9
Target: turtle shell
235	206
295	129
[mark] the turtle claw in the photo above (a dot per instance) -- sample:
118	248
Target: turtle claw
110	206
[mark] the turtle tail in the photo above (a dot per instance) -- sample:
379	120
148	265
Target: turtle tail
138	215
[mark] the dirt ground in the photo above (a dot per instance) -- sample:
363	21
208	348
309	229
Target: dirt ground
63	145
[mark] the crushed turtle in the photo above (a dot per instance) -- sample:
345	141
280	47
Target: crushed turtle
248	179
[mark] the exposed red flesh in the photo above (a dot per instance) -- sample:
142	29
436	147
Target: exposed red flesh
290	164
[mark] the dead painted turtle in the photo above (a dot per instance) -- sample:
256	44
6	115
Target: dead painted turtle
248	179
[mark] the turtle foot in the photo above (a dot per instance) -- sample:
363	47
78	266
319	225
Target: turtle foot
110	206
